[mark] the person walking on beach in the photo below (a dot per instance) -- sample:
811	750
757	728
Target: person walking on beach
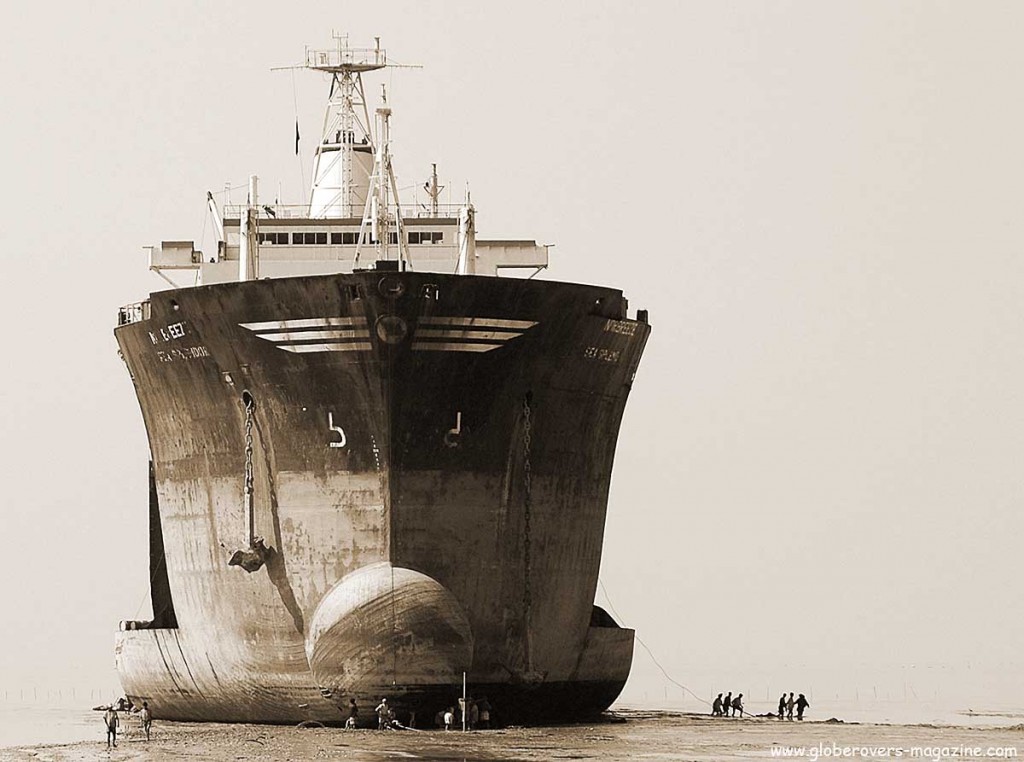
147	718
111	720
782	706
716	708
383	715
737	705
801	704
789	706
353	712
726	704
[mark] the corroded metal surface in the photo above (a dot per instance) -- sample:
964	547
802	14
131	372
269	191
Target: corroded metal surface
461	428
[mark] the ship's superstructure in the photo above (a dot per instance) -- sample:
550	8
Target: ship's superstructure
354	217
377	469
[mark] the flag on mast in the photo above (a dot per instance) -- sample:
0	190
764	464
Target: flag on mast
296	137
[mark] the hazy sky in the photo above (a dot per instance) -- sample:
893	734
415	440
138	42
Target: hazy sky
819	471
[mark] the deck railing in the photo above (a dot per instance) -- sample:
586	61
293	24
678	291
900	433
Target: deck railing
133	313
271	212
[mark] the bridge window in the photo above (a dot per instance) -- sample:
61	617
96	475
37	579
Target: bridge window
310	239
274	238
426	236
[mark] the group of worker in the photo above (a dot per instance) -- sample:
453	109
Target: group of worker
112	720
722	707
477	714
788	704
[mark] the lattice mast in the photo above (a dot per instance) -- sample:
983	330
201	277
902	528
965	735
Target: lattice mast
344	154
352	172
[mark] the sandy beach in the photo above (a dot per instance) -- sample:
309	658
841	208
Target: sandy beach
625	735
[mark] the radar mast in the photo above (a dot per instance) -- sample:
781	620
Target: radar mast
352	172
344	155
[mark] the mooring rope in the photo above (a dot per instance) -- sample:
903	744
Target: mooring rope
648	650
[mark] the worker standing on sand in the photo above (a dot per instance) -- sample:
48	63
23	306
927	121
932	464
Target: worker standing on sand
782	706
789	706
727	703
485	713
449	718
111	720
801	704
353	712
737	705
383	715
147	718
716	708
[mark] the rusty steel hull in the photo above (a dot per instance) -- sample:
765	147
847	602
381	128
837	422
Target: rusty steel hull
431	458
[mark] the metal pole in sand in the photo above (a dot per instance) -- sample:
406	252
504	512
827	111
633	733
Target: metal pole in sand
465	706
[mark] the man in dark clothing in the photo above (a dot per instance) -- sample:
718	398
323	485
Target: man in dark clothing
782	706
727	704
485	713
801	704
716	708
789	706
737	705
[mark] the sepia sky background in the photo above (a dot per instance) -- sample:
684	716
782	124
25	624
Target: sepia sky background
818	480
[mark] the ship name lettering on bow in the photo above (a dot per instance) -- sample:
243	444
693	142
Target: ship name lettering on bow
183	353
169	333
600	353
621	327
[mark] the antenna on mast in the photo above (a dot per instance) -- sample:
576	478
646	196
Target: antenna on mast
352	170
344	154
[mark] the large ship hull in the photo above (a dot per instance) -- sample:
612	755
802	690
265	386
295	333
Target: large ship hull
430	462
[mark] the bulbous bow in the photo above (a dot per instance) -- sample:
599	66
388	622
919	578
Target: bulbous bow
383	629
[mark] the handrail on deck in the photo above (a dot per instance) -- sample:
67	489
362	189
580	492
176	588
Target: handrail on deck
282	212
133	313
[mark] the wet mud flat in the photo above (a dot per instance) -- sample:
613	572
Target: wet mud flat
623	735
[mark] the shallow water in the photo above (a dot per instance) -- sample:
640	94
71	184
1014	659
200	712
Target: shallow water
36	723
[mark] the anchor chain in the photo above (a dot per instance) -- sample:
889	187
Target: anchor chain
250	558
527	505
250	407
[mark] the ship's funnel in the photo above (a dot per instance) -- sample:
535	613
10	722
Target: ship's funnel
383	627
